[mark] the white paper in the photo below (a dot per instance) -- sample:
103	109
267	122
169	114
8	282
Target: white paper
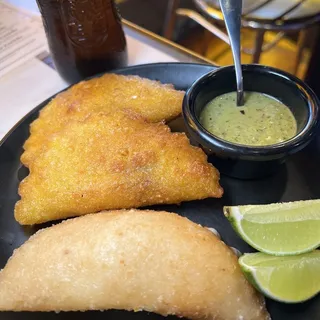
21	38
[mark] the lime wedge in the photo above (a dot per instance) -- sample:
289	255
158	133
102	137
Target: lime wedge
280	228
288	279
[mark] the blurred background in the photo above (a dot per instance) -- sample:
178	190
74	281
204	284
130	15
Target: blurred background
279	33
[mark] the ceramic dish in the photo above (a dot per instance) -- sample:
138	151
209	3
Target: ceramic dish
248	162
296	180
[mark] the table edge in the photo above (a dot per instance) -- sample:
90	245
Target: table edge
175	50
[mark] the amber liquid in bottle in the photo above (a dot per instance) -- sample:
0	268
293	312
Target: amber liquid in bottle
85	37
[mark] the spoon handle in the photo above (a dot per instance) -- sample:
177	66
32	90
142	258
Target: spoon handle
231	10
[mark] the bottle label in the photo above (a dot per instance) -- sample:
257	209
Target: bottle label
86	21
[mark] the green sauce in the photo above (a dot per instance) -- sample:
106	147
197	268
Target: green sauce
262	121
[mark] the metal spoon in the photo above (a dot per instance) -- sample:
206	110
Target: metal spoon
231	10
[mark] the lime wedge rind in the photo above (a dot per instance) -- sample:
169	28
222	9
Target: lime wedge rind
252	275
235	216
272	207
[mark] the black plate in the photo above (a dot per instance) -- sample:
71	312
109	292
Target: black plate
298	179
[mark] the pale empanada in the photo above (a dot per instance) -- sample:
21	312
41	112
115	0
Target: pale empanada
132	260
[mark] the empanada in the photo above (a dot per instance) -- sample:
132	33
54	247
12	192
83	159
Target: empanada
113	161
133	260
150	99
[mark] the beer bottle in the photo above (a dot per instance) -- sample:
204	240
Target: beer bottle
85	37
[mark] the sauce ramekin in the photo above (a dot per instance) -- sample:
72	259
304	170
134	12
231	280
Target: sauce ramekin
243	161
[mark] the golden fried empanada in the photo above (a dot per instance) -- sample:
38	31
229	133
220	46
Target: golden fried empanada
133	260
113	161
151	99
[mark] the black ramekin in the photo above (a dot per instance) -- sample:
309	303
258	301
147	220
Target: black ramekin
248	162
